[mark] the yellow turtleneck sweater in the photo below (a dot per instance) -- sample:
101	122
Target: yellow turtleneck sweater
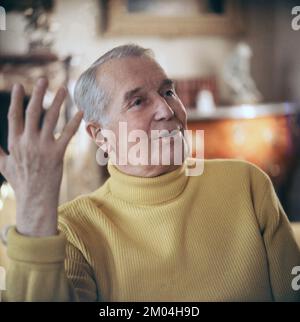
221	236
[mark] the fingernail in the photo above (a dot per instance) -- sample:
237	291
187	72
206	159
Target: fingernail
63	89
16	86
42	81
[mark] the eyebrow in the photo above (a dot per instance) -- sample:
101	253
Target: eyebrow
167	82
128	95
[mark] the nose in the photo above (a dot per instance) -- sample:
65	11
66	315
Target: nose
163	110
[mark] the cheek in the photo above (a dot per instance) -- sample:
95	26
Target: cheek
133	122
181	113
140	120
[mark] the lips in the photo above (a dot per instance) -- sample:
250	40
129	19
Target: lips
159	134
166	134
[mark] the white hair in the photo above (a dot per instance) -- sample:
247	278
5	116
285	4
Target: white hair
89	96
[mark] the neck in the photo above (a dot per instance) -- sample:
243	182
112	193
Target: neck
147	190
147	171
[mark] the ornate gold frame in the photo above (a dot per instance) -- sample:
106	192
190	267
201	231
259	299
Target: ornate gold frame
121	23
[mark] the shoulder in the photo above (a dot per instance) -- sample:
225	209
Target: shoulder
233	164
233	175
235	169
240	181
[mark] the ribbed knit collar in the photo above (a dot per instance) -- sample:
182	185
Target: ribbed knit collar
147	191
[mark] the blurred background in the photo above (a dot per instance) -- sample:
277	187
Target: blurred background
235	63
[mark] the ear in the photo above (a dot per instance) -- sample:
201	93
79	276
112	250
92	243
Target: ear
94	132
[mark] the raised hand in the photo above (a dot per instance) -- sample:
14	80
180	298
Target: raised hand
34	164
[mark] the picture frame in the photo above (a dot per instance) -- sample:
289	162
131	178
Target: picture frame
121	20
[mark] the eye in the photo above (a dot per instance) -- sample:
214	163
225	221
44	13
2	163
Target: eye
137	102
169	93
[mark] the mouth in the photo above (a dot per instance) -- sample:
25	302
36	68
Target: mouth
167	133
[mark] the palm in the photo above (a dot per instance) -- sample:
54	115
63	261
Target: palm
35	161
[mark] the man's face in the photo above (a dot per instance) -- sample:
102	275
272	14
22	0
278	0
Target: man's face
142	96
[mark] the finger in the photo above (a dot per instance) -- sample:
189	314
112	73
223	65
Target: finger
70	129
15	113
35	106
53	113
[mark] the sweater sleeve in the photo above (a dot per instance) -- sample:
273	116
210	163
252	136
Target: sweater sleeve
47	269
282	250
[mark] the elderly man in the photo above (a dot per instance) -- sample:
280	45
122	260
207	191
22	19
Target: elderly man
150	233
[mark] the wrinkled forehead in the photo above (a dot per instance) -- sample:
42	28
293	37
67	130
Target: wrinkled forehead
126	73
